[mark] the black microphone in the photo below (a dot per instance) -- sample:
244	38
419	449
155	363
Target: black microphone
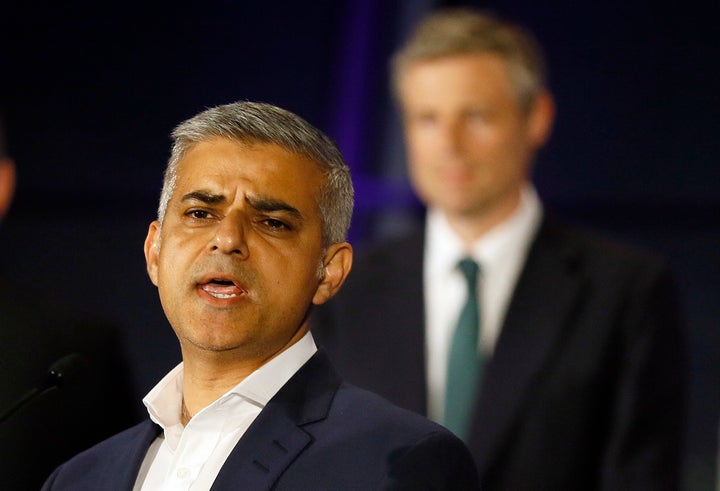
58	374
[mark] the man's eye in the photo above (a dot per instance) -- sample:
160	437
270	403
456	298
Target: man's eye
198	214
425	119
276	224
477	116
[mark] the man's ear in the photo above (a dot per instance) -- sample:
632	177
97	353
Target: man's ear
337	263
7	184
541	119
152	249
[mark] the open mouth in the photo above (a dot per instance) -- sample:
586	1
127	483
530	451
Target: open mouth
222	289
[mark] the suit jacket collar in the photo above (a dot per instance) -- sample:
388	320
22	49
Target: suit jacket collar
122	472
266	449
276	437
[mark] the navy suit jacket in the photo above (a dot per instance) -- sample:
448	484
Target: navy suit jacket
317	433
585	387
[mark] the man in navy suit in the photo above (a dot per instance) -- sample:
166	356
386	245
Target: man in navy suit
250	235
581	383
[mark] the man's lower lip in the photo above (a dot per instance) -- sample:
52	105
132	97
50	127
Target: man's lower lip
220	298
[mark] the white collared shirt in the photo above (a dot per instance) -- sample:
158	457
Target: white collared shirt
190	458
501	255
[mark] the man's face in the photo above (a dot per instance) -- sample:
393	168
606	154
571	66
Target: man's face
236	259
470	145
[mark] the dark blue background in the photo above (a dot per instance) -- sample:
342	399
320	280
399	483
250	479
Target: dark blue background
91	92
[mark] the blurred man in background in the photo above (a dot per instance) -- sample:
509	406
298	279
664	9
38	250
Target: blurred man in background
62	379
554	353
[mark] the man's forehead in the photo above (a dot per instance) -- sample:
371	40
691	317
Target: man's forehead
264	172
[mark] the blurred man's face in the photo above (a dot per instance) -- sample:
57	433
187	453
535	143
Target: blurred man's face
7	184
470	145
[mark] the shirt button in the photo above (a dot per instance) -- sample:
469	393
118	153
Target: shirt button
183	473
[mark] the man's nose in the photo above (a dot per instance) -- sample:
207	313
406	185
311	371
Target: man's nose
451	136
229	237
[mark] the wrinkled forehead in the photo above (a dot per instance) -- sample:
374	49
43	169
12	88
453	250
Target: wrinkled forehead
226	166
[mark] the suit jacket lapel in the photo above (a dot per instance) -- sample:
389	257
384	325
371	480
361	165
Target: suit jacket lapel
533	326
263	453
276	438
128	464
122	471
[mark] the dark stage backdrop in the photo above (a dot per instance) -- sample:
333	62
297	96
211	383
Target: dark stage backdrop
91	91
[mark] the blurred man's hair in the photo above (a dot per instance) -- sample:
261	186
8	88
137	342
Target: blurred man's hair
460	31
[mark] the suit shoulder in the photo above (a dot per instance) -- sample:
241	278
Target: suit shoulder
375	412
392	247
418	453
385	262
92	468
599	250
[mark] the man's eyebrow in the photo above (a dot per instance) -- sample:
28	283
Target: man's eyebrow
262	203
205	197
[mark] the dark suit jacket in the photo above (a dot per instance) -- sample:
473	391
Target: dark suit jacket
92	402
317	433
585	388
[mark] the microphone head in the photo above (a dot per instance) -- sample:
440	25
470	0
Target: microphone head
59	373
62	370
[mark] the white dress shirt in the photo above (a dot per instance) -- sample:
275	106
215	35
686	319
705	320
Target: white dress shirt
501	255
190	457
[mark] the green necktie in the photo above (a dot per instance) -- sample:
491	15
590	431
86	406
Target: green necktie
464	365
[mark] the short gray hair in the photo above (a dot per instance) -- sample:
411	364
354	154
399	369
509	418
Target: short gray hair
255	122
459	31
